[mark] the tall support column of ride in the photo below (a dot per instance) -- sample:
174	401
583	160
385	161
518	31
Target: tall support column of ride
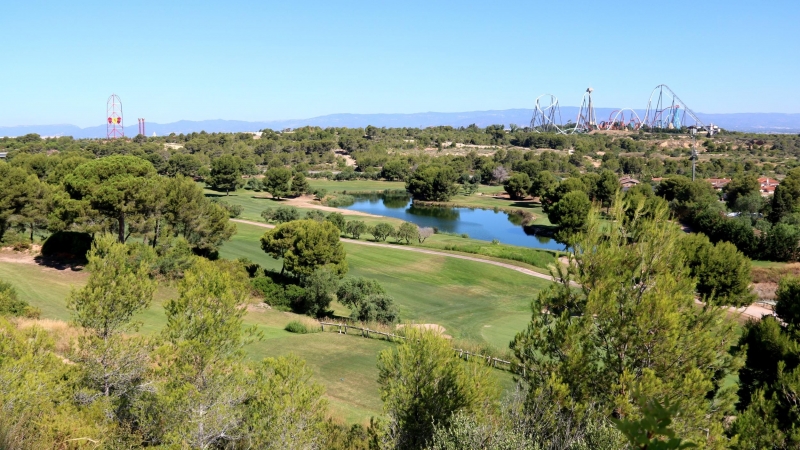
693	130
586	120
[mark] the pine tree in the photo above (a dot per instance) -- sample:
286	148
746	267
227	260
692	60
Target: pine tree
632	328
118	288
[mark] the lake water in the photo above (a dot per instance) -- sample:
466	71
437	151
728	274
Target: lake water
477	223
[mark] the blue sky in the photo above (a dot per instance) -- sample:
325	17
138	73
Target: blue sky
261	60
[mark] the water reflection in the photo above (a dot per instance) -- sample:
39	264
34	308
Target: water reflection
451	214
481	224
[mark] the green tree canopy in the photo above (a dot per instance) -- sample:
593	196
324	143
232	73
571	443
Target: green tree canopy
226	173
740	186
770	379
278	182
433	183
570	214
305	246
631	326
607	187
423	383
721	270
517	185
542	183
300	185
117	186
356	228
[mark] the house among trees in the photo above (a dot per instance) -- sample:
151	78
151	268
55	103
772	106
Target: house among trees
767	186
719	183
628	182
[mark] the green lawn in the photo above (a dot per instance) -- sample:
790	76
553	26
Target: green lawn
355	185
43	287
768	264
474	301
481	303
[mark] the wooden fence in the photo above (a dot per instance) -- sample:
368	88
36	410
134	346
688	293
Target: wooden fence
497	363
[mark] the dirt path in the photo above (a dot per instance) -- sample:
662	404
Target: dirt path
755	311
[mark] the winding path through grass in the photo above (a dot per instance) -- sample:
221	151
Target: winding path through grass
754	311
422	250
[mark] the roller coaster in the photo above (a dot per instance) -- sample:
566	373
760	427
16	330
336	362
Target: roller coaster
665	111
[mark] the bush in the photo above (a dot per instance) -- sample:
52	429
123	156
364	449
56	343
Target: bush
281	214
336	219
315	214
465	235
67	244
381	231
340	200
367	300
175	259
17	241
303	326
233	210
296	327
11	305
278	292
320	193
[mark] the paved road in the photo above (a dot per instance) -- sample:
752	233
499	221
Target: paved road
755	311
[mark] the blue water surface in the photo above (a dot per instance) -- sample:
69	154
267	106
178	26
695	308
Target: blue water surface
481	224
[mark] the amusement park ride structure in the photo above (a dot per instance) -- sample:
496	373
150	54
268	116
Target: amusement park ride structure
114	126
665	110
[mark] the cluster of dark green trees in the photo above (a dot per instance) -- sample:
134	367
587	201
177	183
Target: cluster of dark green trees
119	194
313	272
761	228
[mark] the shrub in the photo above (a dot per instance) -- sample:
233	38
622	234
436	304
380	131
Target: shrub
281	296
381	231
340	200
175	259
315	214
296	327
17	241
233	210
465	235
303	326
11	305
320	193
281	214
336	219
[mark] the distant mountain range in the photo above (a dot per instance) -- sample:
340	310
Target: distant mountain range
750	122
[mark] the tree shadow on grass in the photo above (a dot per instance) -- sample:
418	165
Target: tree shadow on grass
61	263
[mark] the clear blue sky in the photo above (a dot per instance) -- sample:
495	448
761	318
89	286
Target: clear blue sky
260	60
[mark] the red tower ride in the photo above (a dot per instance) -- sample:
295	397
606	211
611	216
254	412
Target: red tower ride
114	127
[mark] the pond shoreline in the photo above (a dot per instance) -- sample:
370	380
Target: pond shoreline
526	217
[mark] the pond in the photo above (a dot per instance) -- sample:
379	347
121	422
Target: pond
477	223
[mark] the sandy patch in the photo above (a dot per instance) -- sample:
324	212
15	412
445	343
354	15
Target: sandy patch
307	201
10	256
347	158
